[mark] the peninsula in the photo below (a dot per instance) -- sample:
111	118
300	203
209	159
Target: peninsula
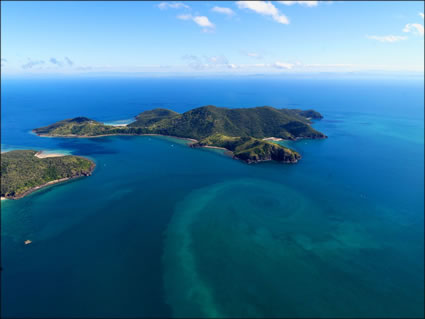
24	171
248	133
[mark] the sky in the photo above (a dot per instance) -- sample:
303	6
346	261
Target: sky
208	37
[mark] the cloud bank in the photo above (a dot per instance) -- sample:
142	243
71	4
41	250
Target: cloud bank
55	62
283	65
414	28
209	62
30	64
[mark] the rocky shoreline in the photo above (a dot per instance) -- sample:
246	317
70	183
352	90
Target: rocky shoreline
248	160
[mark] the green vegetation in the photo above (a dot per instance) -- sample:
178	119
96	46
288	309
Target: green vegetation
22	172
258	122
79	126
149	118
251	149
210	125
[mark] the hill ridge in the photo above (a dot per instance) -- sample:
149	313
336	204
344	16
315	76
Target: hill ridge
204	122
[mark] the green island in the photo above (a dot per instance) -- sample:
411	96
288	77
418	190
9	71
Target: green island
24	171
247	133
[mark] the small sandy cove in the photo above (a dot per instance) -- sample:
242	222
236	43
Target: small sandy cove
273	139
43	154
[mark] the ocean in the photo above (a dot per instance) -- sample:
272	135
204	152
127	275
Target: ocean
162	230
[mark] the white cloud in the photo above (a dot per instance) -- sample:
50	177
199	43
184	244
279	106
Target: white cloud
264	8
386	38
421	14
415	28
223	10
283	65
303	3
202	21
173	5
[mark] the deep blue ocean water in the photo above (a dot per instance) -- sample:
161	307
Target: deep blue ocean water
163	230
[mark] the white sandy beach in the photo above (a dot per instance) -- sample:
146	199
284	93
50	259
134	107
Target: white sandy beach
274	139
43	154
116	124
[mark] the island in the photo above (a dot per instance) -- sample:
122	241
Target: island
24	171
249	134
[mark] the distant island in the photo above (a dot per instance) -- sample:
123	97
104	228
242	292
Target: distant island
248	133
24	171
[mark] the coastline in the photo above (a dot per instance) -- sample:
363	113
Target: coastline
215	147
272	138
56	181
226	151
194	141
118	134
31	190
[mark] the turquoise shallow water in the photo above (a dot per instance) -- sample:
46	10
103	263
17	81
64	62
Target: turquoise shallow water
162	230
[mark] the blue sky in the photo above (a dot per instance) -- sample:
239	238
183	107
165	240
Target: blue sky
223	37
